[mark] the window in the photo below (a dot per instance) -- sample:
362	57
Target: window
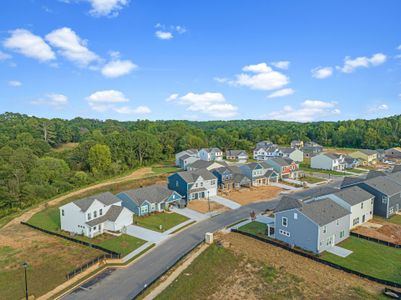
342	234
89	216
100	212
213	182
295	216
95	214
176	183
361	205
283	232
355	221
284	221
324	229
201	183
338	222
62	212
94	228
384	200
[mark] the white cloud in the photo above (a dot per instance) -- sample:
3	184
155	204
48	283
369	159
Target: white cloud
283	64
164	35
14	83
281	93
209	103
350	65
53	99
117	68
30	45
111	8
4	56
71	46
322	72
378	108
309	110
140	110
172	97
107	96
260	77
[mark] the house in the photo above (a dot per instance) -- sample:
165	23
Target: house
238	155
259	173
193	184
328	161
314	225
185	160
357	201
203	164
263	153
311	148
393	153
387	194
297	144
94	215
381	154
350	162
149	199
188	153
293	153
210	154
264	144
366	156
285	167
231	178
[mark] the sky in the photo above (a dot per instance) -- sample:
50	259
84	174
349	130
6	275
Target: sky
201	60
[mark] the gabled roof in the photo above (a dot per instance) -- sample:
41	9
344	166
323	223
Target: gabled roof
235	152
396	177
384	185
349	181
314	192
312	145
155	193
331	155
106	198
112	214
349	160
211	150
281	161
287	203
185	156
323	211
288	150
238	178
373	173
353	195
192	176
222	170
368	151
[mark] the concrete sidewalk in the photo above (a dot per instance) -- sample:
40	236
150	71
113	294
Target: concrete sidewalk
226	202
171	230
136	251
339	251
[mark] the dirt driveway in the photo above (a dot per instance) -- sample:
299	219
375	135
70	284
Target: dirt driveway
253	194
381	230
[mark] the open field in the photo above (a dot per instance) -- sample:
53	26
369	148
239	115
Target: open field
50	259
310	179
244	268
66	146
340	150
390	232
369	258
249	195
166	220
202	206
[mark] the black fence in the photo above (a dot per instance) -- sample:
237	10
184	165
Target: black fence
389	244
86	265
111	254
317	259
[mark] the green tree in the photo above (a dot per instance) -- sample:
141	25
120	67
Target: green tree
99	159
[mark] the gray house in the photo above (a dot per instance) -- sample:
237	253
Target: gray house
239	155
231	178
185	160
311	148
314	225
148	199
259	173
204	164
188	153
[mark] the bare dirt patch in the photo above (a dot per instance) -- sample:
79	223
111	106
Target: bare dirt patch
202	206
388	232
248	195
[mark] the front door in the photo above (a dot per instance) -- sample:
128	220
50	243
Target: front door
330	241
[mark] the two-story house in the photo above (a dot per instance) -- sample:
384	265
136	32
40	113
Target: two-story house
293	153
311	149
231	178
187	153
285	167
393	153
193	184
350	162
185	160
238	155
328	161
93	215
366	156
204	164
313	225
210	154
149	199
264	153
297	144
259	173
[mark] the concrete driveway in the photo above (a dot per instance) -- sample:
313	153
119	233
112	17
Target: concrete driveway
190	213
145	234
226	202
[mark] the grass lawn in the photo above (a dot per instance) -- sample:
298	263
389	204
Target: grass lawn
395	219
49	219
165	169
308	169
357	171
153	221
255	228
310	179
370	258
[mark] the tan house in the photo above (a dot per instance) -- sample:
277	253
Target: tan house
366	156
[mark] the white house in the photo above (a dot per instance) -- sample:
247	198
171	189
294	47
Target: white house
180	156
93	215
209	154
328	161
357	201
264	153
293	153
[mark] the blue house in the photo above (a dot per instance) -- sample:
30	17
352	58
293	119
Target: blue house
145	200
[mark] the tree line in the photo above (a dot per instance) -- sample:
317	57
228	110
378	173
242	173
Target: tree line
33	168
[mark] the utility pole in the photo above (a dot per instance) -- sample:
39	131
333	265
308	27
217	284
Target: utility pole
208	200
25	266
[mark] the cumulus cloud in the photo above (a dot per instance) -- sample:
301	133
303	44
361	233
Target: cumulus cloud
105	100
71	46
378	108
281	93
309	110
164	35
282	64
209	103
4	56
52	99
14	83
350	65
164	32
322	72
26	43
117	68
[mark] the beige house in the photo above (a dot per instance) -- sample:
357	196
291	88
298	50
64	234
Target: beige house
366	156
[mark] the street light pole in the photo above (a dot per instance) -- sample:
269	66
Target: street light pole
208	200
25	266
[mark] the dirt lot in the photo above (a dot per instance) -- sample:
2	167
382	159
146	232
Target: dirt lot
253	194
387	232
49	259
202	206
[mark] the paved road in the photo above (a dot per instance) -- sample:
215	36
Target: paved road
128	283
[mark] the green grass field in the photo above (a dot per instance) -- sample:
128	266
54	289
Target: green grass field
310	179
49	219
255	227
395	219
164	169
153	221
369	258
309	169
358	171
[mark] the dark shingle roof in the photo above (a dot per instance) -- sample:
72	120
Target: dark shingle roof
153	193
396	168
384	185
368	151
111	215
332	155
192	176
235	152
287	150
106	198
287	203
349	181
354	195
281	161
314	192
323	211
373	173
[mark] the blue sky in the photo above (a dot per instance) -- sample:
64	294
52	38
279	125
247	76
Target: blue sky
201	60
